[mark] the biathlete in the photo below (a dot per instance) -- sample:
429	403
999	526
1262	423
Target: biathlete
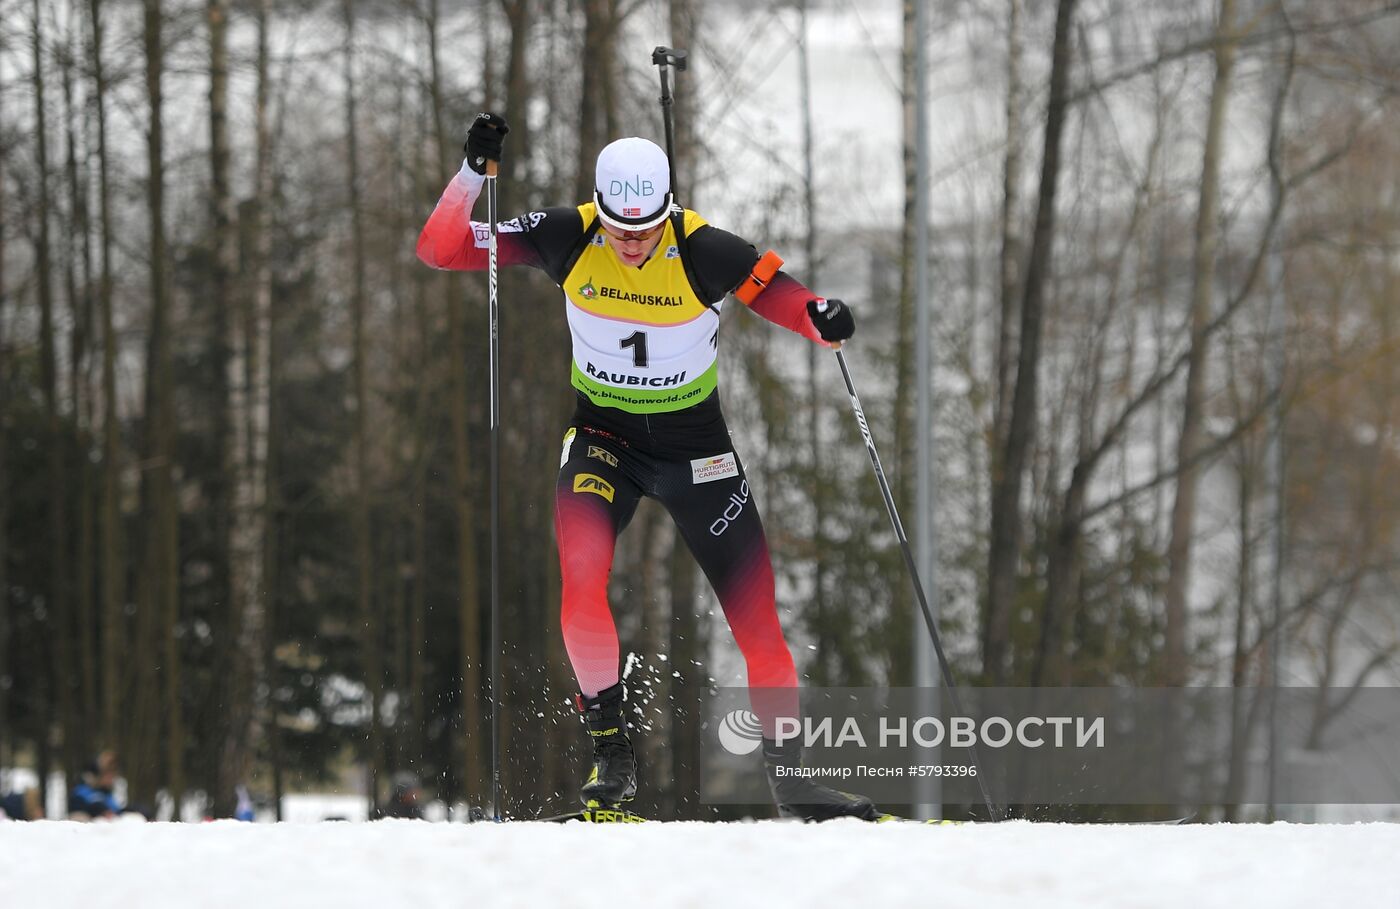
644	280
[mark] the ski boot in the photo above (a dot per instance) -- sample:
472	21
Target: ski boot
613	779
799	798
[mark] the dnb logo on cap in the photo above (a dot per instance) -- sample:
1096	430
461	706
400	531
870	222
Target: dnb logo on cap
632	188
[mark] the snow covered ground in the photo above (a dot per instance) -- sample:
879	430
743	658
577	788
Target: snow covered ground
417	864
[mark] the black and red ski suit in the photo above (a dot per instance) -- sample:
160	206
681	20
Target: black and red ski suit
648	419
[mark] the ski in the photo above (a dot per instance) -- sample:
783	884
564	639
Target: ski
1164	822
1170	821
609	814
936	822
940	822
596	814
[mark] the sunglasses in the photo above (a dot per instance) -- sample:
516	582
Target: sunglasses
634	234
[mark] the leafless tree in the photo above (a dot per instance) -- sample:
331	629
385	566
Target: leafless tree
1005	542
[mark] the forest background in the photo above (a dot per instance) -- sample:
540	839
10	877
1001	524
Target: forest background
243	432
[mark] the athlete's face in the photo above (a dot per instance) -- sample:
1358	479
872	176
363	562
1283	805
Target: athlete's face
633	247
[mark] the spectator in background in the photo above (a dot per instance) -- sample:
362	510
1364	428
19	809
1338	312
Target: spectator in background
22	806
92	798
405	800
243	810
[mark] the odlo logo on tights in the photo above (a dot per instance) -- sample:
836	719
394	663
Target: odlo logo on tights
587	482
732	509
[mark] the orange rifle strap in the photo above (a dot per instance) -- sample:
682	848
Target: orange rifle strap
763	271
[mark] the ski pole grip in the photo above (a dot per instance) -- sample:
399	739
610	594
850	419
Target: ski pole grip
669	56
821	307
492	167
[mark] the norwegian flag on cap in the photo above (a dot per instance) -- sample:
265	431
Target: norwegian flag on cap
631	213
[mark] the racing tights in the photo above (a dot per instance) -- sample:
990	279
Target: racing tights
686	461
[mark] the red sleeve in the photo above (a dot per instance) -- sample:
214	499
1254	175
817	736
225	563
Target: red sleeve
784	302
452	240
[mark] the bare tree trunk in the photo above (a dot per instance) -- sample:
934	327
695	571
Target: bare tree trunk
472	756
905	392
1064	539
688	648
554	738
113	568
6	739
1011	240
397	579
139	716
370	647
1191	438
519	90
422	447
519	94
996	626
60	624
600	114
229	511
600	24
490	91
1239	663
162	568
79	291
272	509
1004	548
823	672
656	539
684	19
688	642
260	499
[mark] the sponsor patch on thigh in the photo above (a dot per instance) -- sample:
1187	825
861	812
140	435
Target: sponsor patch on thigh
720	467
602	454
587	482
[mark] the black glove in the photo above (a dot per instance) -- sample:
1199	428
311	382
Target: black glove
833	320
484	140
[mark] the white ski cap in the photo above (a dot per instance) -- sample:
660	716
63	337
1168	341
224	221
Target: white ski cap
633	184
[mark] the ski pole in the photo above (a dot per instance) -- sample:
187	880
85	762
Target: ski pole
663	57
491	216
948	680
